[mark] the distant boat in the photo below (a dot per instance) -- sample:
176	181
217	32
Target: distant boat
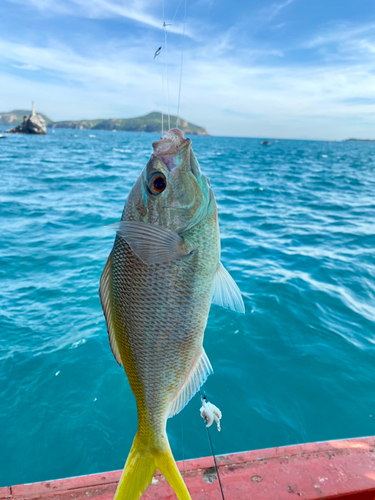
265	143
2	136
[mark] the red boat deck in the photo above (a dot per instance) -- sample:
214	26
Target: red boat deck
329	470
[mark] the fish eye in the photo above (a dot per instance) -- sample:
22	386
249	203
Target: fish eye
157	183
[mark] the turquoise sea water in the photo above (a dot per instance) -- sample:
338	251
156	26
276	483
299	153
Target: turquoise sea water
298	235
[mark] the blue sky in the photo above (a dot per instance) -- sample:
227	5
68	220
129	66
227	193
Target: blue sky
289	68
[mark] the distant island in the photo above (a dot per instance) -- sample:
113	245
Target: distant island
148	123
359	140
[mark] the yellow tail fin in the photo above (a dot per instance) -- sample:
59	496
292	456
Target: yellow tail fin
140	467
165	462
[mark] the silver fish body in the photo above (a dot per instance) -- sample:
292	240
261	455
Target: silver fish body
163	308
156	290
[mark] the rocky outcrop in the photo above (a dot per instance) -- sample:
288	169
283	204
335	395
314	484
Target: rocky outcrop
11	119
33	124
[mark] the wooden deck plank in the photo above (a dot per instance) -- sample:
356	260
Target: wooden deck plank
330	470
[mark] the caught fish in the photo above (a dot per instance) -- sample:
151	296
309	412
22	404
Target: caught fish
156	290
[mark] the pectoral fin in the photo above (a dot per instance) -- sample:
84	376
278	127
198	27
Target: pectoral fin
152	244
225	292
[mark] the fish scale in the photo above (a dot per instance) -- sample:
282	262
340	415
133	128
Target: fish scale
158	308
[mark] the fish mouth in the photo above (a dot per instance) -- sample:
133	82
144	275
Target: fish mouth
172	145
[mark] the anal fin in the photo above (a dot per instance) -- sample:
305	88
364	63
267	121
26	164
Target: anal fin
197	377
105	293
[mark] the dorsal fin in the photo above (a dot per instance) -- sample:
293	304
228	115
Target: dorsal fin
197	377
105	293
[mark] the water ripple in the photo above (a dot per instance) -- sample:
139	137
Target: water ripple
298	235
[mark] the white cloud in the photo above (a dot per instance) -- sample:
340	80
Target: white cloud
113	70
337	34
274	9
29	67
135	10
345	44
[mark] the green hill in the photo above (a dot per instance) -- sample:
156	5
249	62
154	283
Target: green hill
147	123
14	118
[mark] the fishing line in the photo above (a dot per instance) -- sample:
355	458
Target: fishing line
182	440
165	25
216	467
162	86
176	11
212	451
182	62
178	6
166	69
162	100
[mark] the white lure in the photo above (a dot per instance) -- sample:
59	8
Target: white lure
210	413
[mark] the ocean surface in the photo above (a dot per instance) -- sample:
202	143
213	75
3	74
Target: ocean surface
297	224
